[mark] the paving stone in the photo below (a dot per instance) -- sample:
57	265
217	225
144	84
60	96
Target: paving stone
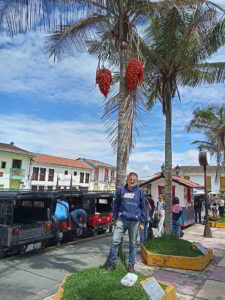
222	263
212	290
185	284
218	274
183	297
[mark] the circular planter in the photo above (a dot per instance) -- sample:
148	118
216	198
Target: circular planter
177	262
216	224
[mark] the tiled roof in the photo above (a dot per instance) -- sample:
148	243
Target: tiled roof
97	163
199	169
12	148
55	160
176	179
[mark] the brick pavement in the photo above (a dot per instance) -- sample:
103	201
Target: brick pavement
208	284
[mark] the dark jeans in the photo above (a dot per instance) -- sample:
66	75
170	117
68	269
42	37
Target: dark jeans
198	214
221	210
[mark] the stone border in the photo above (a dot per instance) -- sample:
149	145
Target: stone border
177	262
217	225
60	292
170	291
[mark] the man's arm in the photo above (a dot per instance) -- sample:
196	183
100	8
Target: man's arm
142	208
116	205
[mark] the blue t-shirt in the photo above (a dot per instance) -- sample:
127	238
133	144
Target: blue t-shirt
62	210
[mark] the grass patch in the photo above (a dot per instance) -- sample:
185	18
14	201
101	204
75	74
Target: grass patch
221	220
172	245
97	284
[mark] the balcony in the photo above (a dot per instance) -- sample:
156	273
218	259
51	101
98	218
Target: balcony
16	173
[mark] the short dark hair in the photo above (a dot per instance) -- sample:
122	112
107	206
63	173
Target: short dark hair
176	200
133	174
150	195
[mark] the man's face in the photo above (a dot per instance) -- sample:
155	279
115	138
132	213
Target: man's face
132	181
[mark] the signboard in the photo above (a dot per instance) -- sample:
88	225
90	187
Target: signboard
200	247
153	289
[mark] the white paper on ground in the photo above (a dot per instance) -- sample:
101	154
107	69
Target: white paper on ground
129	279
153	289
200	247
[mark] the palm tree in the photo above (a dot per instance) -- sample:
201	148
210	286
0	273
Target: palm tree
210	121
178	45
120	17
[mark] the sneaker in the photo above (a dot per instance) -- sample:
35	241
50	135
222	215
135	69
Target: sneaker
111	268
131	269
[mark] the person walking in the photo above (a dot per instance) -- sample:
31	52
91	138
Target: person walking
161	216
197	209
176	216
221	206
129	215
144	233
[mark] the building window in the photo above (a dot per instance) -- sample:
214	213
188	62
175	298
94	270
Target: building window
41	188
1	174
51	175
1	187
35	173
112	175
50	188
87	178
96	174
81	177
222	184
42	174
75	173
106	175
66	172
34	188
16	164
209	183
3	164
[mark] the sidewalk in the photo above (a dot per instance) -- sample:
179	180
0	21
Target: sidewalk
196	285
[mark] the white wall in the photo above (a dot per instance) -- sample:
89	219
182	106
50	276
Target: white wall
179	190
199	178
64	180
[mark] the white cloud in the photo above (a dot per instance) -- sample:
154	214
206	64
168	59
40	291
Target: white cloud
27	70
63	138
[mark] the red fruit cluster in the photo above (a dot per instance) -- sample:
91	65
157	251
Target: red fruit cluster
104	80
134	74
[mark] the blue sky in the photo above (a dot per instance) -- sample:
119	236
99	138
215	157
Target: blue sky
55	108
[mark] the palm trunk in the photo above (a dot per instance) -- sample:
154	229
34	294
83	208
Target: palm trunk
121	165
168	165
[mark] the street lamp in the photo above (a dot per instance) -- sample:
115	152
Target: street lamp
163	168
177	169
204	160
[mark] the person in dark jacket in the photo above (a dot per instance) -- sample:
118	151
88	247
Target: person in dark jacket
176	216
129	215
144	234
197	209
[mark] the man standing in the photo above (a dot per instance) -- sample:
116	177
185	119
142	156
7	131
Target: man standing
221	206
129	214
197	209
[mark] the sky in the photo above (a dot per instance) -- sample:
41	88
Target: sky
55	108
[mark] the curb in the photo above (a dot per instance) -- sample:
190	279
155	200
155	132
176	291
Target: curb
59	294
170	291
177	262
217	225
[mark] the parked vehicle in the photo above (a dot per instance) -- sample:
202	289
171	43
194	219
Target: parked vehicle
25	218
29	217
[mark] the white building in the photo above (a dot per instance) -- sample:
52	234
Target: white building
104	175
181	188
196	174
51	172
14	167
